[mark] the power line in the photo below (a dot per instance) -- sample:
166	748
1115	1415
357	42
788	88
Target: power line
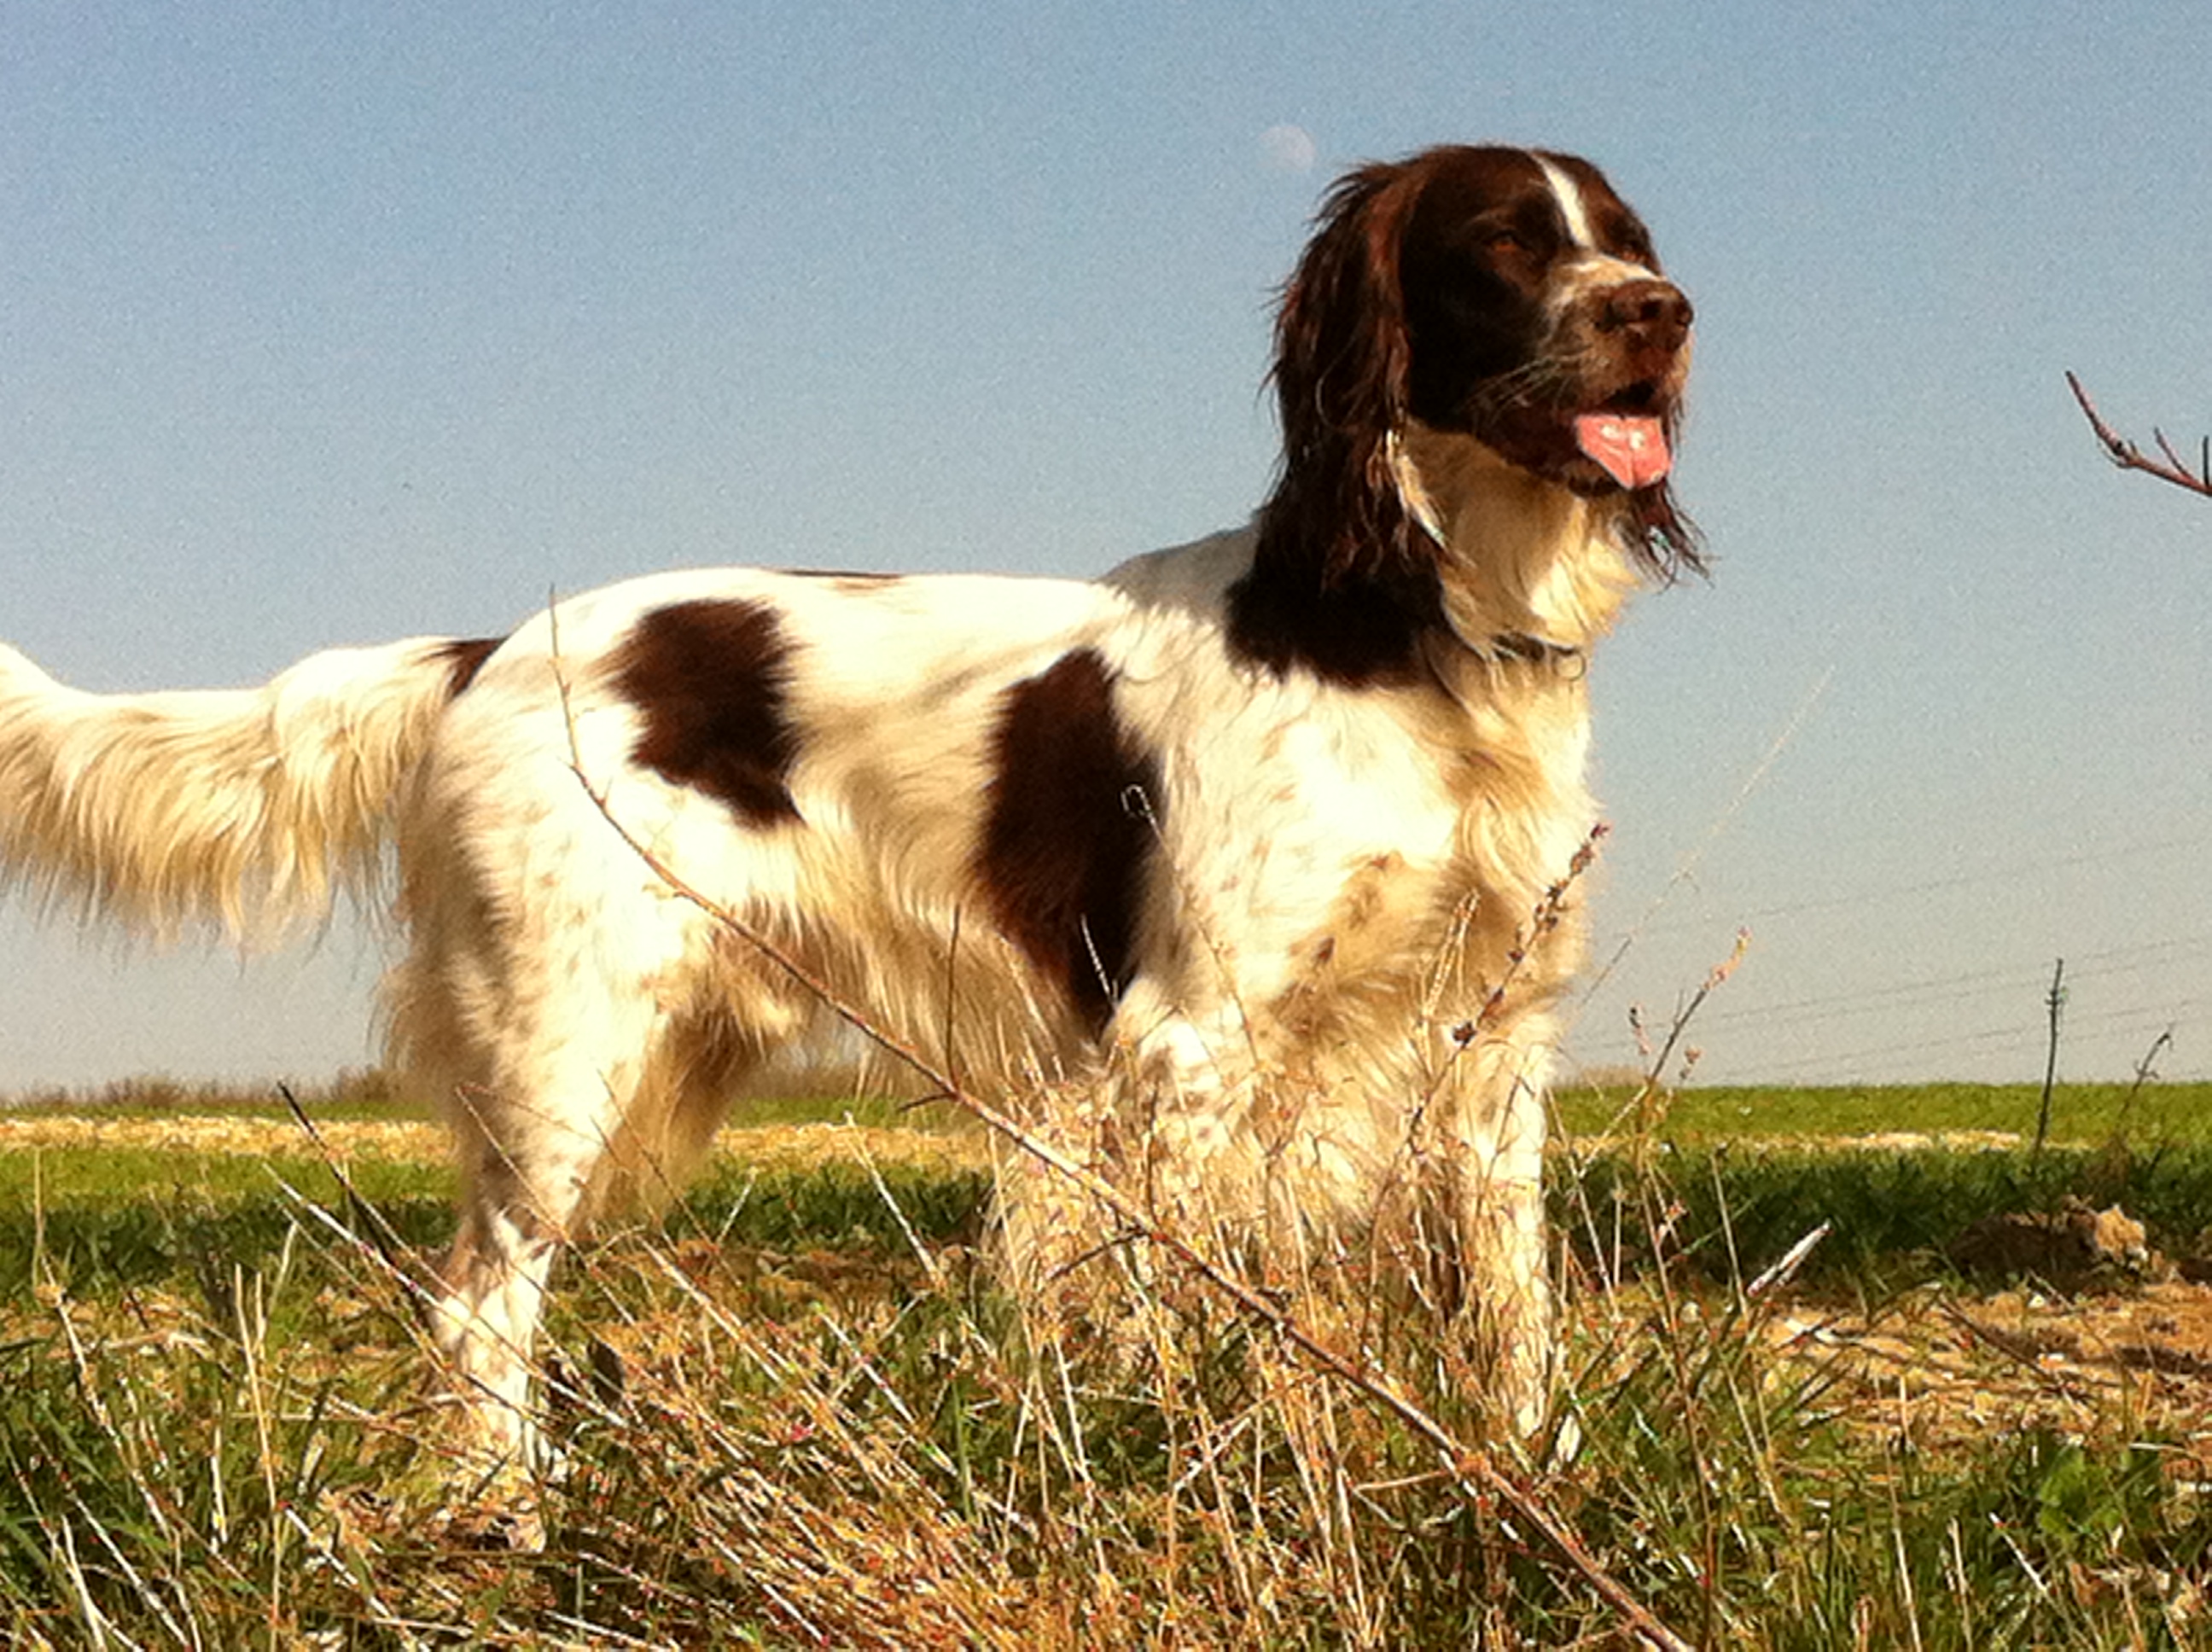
2111	963
2024	1031
1882	894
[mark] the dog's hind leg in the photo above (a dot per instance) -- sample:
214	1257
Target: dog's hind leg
536	1135
579	1079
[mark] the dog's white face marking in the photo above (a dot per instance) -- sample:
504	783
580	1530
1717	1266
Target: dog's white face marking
1568	195
1592	265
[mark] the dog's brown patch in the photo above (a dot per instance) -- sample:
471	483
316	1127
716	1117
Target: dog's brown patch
1072	797
464	658
710	682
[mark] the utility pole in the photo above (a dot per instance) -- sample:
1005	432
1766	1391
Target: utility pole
2054	1001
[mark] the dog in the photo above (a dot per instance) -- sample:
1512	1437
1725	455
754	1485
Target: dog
1244	871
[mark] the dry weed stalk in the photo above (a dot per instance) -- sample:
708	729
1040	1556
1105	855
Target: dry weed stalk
1473	1470
1660	1214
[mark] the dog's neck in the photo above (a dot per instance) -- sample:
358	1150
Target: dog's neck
1530	569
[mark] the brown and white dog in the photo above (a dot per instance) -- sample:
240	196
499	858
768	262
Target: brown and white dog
1231	867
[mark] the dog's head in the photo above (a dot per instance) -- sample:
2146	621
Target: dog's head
1507	295
1537	319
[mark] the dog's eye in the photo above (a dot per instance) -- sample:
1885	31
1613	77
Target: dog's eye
1629	242
1507	241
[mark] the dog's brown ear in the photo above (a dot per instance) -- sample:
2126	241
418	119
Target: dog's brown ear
1342	362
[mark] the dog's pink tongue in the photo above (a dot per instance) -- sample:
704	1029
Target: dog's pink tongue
1633	448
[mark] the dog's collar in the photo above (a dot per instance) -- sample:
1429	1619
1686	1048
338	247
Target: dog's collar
1501	648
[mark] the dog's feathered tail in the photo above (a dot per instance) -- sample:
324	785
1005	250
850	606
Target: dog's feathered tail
242	808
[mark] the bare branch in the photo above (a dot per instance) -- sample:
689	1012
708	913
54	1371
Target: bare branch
2128	457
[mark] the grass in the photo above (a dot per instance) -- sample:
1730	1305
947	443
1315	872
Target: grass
799	1413
2087	1115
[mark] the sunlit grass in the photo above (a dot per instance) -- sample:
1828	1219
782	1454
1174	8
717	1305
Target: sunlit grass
2082	1114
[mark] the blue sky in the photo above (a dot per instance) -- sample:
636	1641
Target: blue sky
334	323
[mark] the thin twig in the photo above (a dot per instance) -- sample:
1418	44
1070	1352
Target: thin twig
1686	871
2026	1354
2128	457
2146	1069
375	1233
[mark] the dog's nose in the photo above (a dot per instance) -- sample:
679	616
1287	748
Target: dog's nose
1657	309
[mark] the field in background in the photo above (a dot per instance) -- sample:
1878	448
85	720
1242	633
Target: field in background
798	1412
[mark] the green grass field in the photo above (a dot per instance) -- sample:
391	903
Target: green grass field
798	1411
2085	1114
